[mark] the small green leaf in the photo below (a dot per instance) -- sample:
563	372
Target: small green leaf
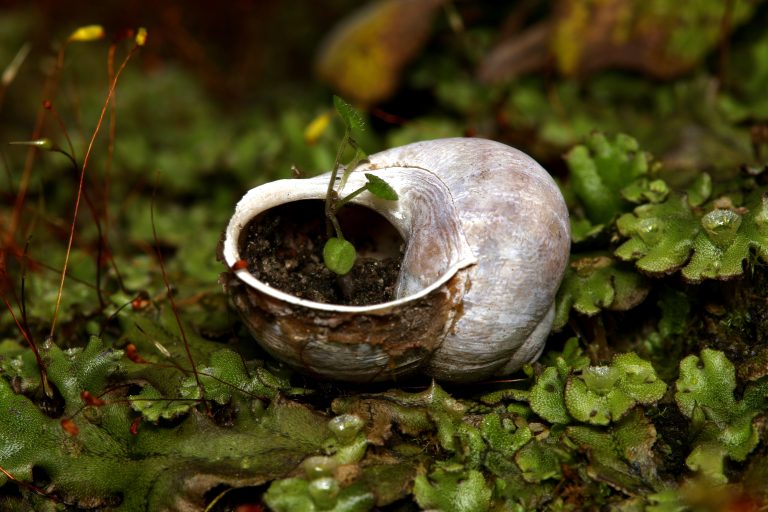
705	393
603	394
602	167
455	491
504	436
547	397
339	255
325	493
596	281
538	461
153	406
228	377
668	236
644	190
700	190
351	117
623	454
380	188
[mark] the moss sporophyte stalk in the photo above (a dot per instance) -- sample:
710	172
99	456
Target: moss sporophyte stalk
339	254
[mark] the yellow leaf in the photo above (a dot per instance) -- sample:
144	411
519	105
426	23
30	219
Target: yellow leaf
87	33
317	127
141	36
363	56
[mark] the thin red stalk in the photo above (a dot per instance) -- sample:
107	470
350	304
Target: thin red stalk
48	105
112	87
48	93
112	134
31	487
108	164
102	243
23	302
173	301
8	174
113	315
40	363
173	366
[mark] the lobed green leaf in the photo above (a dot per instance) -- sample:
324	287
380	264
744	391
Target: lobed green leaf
353	120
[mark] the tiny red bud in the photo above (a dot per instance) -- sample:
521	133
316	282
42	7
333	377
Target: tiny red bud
132	354
70	427
249	507
47	105
139	303
240	265
89	399
134	430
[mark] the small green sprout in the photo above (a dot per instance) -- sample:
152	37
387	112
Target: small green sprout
723	425
670	235
597	281
339	254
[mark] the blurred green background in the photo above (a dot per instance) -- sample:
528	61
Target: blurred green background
221	99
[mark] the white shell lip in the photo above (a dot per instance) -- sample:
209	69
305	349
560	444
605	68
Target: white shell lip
279	192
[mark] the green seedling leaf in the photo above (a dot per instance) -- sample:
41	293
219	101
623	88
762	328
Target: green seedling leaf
597	282
705	394
602	394
353	120
380	188
339	255
453	491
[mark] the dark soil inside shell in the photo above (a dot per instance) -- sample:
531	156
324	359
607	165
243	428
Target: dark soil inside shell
284	249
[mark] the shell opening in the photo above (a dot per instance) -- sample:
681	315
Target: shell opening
283	248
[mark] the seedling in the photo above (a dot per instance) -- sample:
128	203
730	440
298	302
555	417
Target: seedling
339	254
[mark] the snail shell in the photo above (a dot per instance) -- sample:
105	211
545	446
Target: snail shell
487	241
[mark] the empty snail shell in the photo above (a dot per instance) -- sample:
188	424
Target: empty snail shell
487	240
